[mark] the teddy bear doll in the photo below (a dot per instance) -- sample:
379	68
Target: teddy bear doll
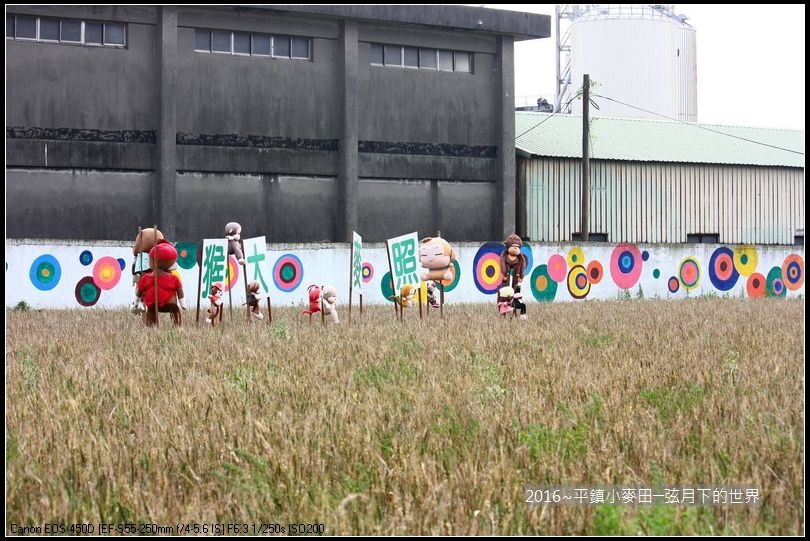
329	294
436	255
144	242
170	295
506	297
233	232
406	295
513	261
253	298
215	298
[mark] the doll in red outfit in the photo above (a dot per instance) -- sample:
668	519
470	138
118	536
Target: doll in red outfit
170	296
215	298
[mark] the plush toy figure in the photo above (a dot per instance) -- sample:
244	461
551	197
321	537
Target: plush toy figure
233	232
405	297
513	261
215	298
144	242
518	304
431	290
505	298
330	302
314	300
253	299
170	296
436	255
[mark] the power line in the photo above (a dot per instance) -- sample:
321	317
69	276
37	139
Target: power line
535	126
700	126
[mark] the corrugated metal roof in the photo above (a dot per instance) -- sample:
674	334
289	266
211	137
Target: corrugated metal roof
559	135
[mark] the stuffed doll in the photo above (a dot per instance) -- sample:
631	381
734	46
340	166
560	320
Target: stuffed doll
233	232
433	301
144	242
314	300
253	298
513	260
436	255
505	299
518	304
170	296
405	297
215	298
330	302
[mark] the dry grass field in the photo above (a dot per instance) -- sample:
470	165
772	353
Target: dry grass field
433	427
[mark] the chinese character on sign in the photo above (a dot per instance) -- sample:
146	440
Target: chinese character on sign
255	252
213	267
403	255
357	262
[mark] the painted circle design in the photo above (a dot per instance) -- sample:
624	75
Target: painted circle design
186	254
755	286
557	268
656	274
106	272
527	251
367	272
595	272
689	273
625	265
673	284
544	289
288	272
45	272
385	287
86	257
575	257
122	263
645	255
793	272
578	285
232	278
774	286
487	267
450	285
87	292
722	271
746	259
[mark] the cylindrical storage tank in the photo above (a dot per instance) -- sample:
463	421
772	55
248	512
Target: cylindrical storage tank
641	55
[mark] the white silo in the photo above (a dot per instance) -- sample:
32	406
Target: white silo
642	55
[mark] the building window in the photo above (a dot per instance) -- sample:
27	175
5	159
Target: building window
592	237
420	57
75	31
703	238
248	44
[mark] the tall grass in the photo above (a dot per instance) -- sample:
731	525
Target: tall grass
431	427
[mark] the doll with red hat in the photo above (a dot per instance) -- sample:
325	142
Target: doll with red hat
215	298
170	297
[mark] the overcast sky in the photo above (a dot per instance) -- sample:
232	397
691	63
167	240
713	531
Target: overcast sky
750	62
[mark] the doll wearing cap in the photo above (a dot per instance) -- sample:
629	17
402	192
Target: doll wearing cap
170	295
215	298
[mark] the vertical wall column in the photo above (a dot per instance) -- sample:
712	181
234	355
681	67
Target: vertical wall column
505	69
347	189
165	207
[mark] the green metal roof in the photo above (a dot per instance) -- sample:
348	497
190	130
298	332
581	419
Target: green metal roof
559	135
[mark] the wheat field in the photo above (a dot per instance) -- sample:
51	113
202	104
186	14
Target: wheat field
414	427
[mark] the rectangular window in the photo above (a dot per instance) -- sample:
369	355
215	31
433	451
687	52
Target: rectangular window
427	59
93	33
202	40
221	42
300	48
241	43
376	53
445	60
49	29
411	57
393	55
798	240
71	31
592	237
261	45
26	28
281	46
462	62
703	238
9	26
114	34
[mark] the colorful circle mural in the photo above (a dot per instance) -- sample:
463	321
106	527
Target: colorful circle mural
578	285
487	267
673	284
186	254
527	251
625	265
106	273
87	292
122	263
385	287
450	285
793	272
544	289
774	286
367	272
557	268
595	272
45	272
689	273
656	274
230	281
575	257
86	257
722	271
746	259
288	272
755	286
645	255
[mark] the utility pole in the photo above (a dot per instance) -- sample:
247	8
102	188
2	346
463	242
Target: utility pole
586	163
